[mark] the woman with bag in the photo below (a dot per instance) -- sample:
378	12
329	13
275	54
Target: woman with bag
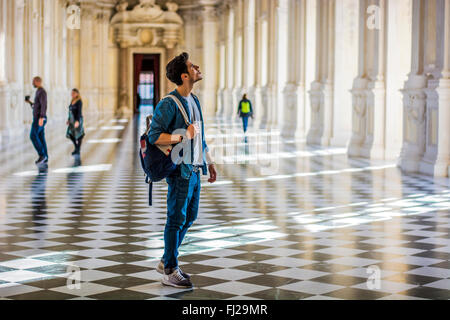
75	129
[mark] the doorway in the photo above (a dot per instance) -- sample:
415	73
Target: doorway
146	86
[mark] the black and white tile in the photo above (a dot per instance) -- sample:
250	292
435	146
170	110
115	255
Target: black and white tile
315	229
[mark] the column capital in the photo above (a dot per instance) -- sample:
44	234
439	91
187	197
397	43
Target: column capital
209	13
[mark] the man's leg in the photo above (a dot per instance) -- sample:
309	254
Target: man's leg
34	137
177	202
42	139
192	209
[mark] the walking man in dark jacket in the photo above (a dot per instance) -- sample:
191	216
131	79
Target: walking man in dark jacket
37	133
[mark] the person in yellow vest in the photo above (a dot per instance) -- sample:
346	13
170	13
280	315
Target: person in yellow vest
245	111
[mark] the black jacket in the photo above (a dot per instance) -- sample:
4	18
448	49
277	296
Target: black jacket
40	104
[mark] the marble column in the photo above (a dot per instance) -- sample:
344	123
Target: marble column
249	71
307	67
345	69
281	110
222	80
210	28
369	88
437	63
123	98
86	56
48	55
321	93
17	106
442	165
414	99
228	92
274	108
295	57
261	92
237	90
3	65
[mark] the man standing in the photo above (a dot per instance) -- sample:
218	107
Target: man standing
184	184
37	134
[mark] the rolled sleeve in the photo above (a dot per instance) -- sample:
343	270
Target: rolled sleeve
162	117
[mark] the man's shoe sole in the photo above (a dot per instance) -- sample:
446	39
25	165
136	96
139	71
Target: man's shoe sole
167	283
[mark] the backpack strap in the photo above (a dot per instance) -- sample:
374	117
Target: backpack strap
150	189
180	107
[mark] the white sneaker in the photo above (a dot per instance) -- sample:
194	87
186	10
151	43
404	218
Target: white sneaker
160	269
176	279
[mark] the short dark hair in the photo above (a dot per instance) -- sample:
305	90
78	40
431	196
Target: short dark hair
176	67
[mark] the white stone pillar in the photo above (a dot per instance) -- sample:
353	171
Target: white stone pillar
86	57
345	69
274	109
209	58
3	65
250	50
414	99
359	116
308	43
3	15
369	88
228	92
17	104
437	151
442	165
47	53
321	93
375	141
261	95
397	66
358	91
237	90
295	57
222	80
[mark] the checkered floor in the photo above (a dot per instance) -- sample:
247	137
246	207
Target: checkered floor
290	222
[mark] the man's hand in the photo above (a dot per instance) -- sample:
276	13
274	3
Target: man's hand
212	173
76	124
41	122
192	131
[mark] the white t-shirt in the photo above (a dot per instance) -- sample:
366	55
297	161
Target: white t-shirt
195	116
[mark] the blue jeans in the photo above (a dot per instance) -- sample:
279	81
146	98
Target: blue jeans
37	136
183	199
245	123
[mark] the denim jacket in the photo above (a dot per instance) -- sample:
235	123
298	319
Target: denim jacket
167	118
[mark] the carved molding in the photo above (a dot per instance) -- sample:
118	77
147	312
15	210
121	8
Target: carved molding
147	25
